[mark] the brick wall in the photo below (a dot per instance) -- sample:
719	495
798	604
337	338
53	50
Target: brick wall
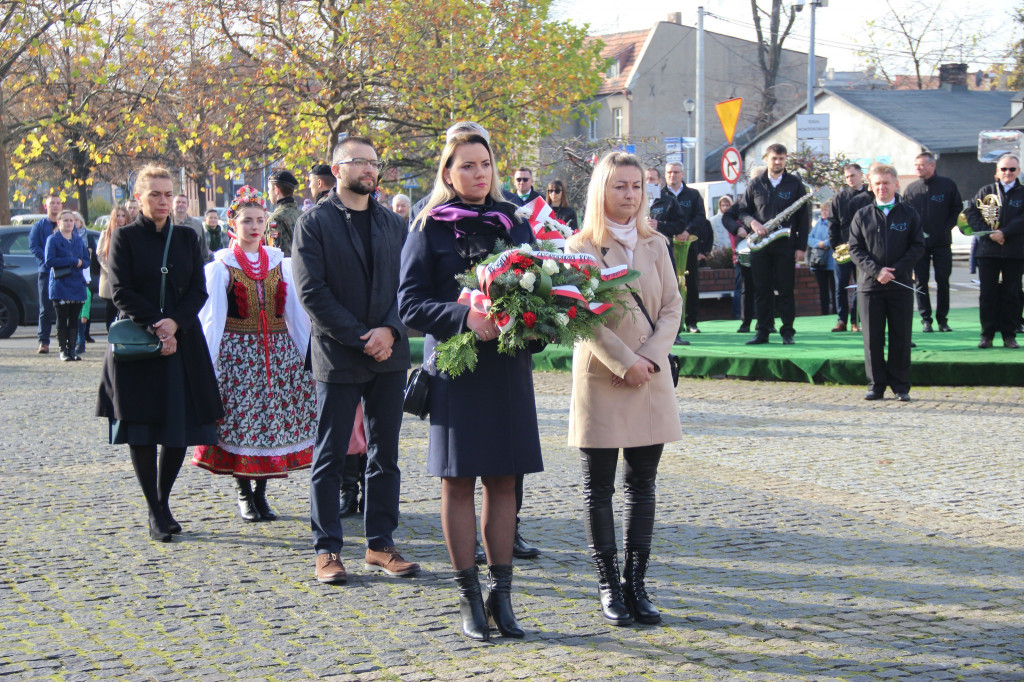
805	293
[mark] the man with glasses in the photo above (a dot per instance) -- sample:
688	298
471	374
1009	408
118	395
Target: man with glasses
281	186
522	185
937	200
1000	254
346	261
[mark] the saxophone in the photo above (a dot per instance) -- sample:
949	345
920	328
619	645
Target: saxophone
774	226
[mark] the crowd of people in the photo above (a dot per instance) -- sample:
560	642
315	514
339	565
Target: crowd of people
283	340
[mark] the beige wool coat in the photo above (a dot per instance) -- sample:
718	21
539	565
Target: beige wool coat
605	416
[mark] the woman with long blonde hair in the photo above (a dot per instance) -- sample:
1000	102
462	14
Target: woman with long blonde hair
622	392
118	218
482	423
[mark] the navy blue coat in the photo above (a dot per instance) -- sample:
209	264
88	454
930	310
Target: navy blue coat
482	423
66	253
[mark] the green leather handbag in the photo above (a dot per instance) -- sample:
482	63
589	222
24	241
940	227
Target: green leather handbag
128	341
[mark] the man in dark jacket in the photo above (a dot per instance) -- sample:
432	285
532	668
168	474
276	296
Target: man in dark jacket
1000	254
320	181
886	240
37	237
346	260
694	222
774	266
937	201
851	199
522	184
666	218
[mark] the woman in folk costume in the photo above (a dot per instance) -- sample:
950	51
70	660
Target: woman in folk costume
257	333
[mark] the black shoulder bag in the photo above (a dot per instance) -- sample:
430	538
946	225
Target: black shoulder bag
417	391
673	359
130	342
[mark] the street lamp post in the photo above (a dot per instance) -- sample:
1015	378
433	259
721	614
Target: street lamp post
798	5
689	106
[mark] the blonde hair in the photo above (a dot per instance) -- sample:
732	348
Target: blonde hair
595	219
443	192
148	173
884	169
112	224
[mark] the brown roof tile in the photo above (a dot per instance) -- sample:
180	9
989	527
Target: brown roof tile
626	47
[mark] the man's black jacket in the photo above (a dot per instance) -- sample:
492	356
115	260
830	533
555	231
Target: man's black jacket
762	202
937	200
1011	222
885	241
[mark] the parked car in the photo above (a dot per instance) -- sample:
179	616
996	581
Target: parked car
19	296
101	222
27	218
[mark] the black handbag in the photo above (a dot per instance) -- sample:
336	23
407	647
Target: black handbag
128	341
673	359
417	391
58	273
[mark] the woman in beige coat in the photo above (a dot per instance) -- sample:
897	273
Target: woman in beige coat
622	393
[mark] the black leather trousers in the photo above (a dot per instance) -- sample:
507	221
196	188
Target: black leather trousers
640	471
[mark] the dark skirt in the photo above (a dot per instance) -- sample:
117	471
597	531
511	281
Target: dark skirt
484	423
180	428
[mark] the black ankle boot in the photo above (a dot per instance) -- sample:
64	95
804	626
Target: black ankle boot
499	601
521	549
173	526
259	500
158	528
633	589
471	604
350	485
246	507
612	606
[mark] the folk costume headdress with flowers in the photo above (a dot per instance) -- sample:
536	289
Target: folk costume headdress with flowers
249	196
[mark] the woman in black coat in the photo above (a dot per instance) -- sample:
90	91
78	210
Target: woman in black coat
483	423
172	400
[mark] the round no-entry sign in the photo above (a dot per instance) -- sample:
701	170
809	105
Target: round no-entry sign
732	165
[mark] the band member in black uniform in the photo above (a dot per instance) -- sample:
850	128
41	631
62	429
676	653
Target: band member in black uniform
665	217
852	198
937	201
886	240
1000	253
695	222
773	267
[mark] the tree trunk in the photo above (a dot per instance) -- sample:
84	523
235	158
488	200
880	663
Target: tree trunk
83	202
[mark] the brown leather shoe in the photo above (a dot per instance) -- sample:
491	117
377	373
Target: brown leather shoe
840	327
389	561
43	349
329	568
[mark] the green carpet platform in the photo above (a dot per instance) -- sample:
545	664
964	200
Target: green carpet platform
820	356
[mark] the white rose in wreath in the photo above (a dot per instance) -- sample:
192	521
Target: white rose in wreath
526	249
549	267
527	281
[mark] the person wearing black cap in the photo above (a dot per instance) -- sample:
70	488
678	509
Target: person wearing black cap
281	188
321	180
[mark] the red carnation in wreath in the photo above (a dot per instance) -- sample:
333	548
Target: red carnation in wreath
571	312
529	319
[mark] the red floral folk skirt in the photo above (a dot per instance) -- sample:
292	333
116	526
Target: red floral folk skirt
269	426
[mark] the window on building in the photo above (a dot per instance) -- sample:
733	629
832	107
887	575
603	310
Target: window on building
613	68
617	122
592	128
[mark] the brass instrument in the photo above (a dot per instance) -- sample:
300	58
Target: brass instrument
841	254
774	226
989	207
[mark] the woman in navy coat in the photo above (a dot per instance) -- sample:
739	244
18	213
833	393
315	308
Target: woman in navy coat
64	251
483	423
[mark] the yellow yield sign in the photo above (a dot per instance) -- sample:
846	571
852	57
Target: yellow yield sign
729	114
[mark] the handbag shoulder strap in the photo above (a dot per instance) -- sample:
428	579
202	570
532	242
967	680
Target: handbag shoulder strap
163	267
636	298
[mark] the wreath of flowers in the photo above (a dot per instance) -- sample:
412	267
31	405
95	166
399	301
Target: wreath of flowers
534	293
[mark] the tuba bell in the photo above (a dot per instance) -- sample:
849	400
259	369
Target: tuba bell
841	254
989	207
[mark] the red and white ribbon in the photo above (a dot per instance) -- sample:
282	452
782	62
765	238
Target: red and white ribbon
543	222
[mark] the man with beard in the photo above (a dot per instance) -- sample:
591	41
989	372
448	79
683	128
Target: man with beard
346	260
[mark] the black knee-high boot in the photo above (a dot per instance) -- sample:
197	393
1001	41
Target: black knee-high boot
246	506
499	601
471	604
634	590
170	464
259	500
144	463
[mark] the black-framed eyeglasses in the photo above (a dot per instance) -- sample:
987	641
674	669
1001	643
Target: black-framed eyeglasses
372	163
1004	170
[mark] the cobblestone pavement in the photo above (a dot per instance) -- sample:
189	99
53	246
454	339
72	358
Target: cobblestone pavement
802	534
